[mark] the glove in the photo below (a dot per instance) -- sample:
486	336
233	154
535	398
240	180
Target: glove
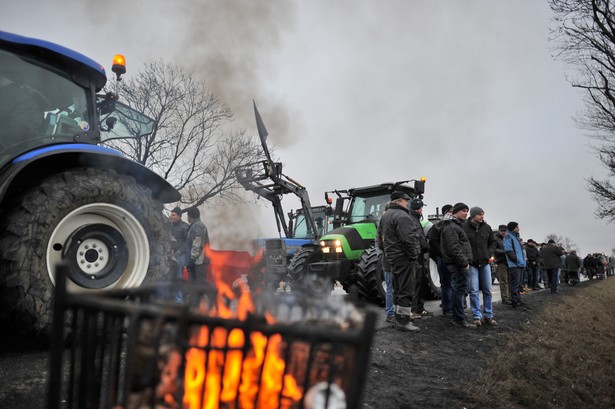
190	263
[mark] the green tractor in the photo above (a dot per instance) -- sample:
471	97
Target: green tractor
348	253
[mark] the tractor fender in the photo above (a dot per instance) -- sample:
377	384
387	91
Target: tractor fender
27	168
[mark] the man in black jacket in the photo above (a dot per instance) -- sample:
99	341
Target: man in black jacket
400	236
456	255
533	264
483	246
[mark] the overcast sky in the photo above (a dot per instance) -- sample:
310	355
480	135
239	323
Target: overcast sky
353	93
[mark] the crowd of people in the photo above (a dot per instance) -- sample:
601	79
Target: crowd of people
467	253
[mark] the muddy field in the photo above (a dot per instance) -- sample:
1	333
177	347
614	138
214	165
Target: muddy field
559	354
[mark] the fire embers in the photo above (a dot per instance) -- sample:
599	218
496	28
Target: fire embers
142	348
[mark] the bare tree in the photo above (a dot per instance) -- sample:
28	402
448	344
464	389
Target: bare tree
188	146
585	37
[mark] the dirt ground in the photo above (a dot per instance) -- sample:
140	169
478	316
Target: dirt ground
559	354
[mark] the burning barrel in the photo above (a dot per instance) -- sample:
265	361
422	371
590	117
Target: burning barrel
216	348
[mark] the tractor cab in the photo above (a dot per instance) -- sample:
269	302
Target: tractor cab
48	99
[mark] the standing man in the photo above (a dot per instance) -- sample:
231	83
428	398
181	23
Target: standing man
446	279
421	283
389	307
401	234
516	263
501	265
456	254
573	265
196	261
533	264
551	255
483	246
179	231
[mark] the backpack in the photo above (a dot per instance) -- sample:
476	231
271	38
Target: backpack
433	238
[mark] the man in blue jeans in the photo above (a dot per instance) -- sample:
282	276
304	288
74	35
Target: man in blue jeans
516	263
483	246
446	278
456	254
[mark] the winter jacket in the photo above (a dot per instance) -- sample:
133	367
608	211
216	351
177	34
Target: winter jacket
400	233
454	244
573	262
380	248
179	231
498	255
532	253
482	241
197	238
551	256
513	250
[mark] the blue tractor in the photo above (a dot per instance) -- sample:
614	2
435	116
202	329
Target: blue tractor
63	196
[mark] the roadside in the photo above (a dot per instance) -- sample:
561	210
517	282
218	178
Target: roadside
443	366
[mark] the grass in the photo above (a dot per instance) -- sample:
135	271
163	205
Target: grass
563	358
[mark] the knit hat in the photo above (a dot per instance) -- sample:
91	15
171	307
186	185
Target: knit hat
511	225
446	208
416	204
502	227
460	206
475	210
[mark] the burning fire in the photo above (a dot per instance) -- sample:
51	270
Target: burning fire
220	370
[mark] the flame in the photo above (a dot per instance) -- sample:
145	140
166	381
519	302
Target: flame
219	372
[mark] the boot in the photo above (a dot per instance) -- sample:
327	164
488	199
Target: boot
404	323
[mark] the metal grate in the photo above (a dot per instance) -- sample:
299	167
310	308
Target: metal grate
141	348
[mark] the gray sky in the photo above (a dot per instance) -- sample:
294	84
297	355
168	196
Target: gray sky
465	93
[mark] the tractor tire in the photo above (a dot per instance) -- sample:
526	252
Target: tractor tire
435	291
370	278
299	277
105	225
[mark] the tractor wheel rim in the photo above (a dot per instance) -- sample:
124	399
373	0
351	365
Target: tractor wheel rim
98	252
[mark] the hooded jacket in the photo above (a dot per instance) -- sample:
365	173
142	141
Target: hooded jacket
513	250
482	241
454	244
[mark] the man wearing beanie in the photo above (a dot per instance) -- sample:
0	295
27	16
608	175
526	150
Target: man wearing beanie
483	246
422	272
501	266
456	255
401	232
516	263
446	279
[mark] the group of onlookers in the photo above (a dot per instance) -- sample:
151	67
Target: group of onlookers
462	244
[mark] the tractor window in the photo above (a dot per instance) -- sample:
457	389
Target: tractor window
303	231
368	207
38	106
119	121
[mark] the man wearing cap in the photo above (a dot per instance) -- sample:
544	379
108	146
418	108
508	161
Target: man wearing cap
456	254
179	231
421	279
501	265
446	279
551	257
532	255
400	237
516	263
483	246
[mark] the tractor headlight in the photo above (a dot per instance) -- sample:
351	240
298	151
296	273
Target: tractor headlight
331	246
